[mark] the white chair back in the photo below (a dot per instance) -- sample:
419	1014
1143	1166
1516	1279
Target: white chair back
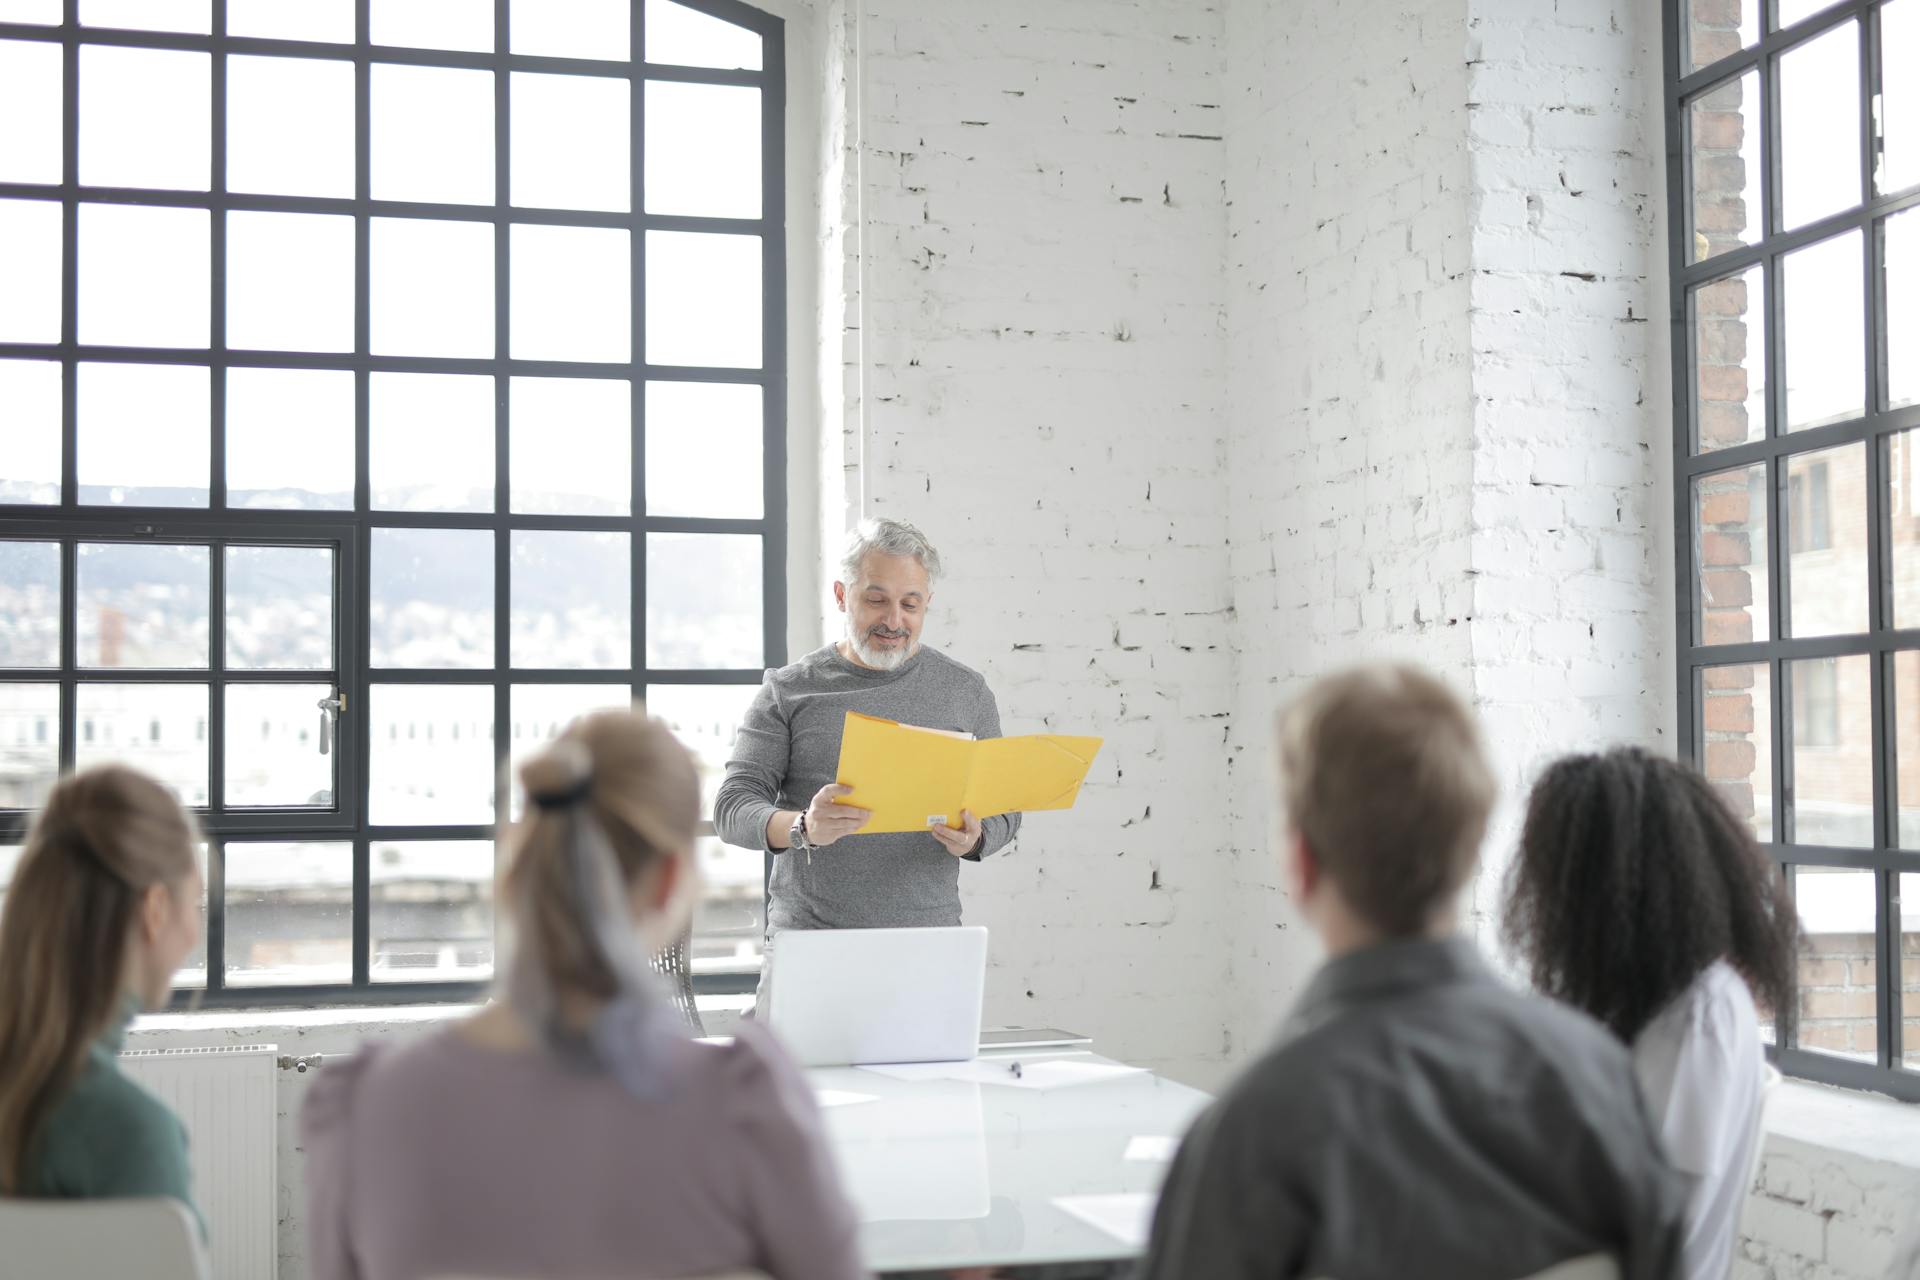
1595	1266
154	1239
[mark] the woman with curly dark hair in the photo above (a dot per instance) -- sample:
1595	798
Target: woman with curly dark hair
1641	898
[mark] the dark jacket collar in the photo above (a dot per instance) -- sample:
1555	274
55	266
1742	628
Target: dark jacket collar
1388	969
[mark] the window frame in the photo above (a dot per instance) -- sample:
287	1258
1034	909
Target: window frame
1876	428
69	522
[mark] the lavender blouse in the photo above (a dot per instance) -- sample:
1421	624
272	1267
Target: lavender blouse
445	1158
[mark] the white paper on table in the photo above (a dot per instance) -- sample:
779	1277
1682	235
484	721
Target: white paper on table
842	1098
1154	1149
974	1071
1048	1073
1126	1216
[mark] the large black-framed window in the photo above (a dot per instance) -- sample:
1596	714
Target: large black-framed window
382	386
1793	132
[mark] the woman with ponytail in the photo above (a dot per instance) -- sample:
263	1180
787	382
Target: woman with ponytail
572	1128
1640	898
104	906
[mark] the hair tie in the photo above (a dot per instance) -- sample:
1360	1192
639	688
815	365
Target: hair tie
555	800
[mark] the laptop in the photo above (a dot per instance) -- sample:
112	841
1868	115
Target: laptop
847	997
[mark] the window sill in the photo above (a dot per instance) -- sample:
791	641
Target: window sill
1863	1126
180	1030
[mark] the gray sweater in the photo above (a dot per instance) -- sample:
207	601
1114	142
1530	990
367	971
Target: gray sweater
789	747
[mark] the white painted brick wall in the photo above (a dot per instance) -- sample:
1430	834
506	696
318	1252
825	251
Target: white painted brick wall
1448	417
1572	635
1036	375
1820	1215
1350	441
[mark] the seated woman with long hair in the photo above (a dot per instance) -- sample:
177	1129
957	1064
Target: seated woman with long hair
573	1128
1641	898
105	904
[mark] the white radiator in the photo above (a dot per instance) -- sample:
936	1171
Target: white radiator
226	1099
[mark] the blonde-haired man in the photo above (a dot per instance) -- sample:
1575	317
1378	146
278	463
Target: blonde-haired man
1417	1117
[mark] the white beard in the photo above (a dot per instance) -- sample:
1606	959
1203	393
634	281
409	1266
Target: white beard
879	659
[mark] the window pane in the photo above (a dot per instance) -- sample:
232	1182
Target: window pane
1899	100
29	604
328	20
29	271
30	464
434	24
1838	994
432	442
541	712
192	972
1736	716
290	281
703	299
289	913
432	598
1791	11
1902	276
1716	28
572	446
577	29
432	288
1832	776
704	717
290	438
44	13
704	594
731	919
290	126
1906	747
1820	127
704	449
145	118
190	16
141	605
1910	969
703	149
30	83
279	608
570	142
572	600
1826	333
9	859
432	135
29	743
1827	541
572	294
432	754
1724	138
1730	371
143	276
1903	520
1730	548
688	38
431	914
143	435
159	728
273	746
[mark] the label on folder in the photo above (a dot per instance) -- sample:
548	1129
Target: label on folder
913	779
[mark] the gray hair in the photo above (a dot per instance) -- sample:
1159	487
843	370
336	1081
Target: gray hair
888	537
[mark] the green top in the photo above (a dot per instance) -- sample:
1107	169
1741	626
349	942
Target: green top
109	1137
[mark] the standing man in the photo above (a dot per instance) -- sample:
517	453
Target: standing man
780	793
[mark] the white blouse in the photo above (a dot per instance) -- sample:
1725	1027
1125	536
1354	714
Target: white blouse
1702	1071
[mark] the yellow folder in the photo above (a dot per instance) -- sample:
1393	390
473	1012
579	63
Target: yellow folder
913	778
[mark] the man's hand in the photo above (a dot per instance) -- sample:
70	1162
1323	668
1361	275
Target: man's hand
962	840
828	820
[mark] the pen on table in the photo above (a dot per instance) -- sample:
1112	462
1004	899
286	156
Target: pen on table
1015	1068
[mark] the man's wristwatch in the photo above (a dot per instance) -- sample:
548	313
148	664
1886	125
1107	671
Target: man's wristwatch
797	835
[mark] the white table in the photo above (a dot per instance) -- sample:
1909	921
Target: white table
948	1173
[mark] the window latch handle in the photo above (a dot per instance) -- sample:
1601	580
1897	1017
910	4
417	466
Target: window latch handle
330	709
